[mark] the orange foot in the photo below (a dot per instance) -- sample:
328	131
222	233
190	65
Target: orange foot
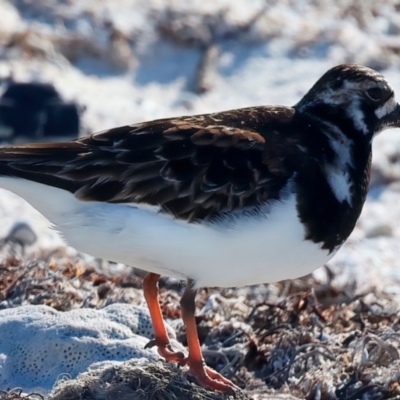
210	378
205	375
165	350
150	290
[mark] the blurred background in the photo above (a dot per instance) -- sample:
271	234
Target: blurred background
73	67
123	61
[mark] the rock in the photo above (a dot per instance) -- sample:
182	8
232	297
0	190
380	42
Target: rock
36	110
39	344
382	229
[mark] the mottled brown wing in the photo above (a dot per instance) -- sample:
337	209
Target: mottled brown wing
193	167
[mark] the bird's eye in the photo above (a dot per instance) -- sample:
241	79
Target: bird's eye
375	94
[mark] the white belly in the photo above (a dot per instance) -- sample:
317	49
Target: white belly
253	250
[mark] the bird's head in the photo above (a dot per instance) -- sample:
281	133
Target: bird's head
355	98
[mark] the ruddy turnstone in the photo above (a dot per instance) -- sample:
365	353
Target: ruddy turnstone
234	198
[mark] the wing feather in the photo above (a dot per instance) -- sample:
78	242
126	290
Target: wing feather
193	167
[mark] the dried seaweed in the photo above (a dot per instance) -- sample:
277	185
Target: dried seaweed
304	338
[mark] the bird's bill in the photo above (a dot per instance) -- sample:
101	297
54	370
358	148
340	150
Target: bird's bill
392	120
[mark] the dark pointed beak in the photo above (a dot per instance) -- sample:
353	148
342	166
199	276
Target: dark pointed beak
392	120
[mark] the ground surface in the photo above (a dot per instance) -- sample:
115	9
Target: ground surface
310	338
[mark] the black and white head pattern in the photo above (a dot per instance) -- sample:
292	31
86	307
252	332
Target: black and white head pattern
354	97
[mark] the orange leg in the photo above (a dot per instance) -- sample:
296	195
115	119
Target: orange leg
207	376
150	290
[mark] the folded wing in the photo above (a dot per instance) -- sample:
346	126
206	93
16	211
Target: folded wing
192	167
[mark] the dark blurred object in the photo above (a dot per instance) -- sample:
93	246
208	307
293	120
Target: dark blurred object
19	238
36	111
22	234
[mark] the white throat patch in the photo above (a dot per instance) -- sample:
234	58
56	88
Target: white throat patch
355	113
339	181
337	173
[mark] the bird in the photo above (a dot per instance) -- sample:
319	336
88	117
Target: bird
227	199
